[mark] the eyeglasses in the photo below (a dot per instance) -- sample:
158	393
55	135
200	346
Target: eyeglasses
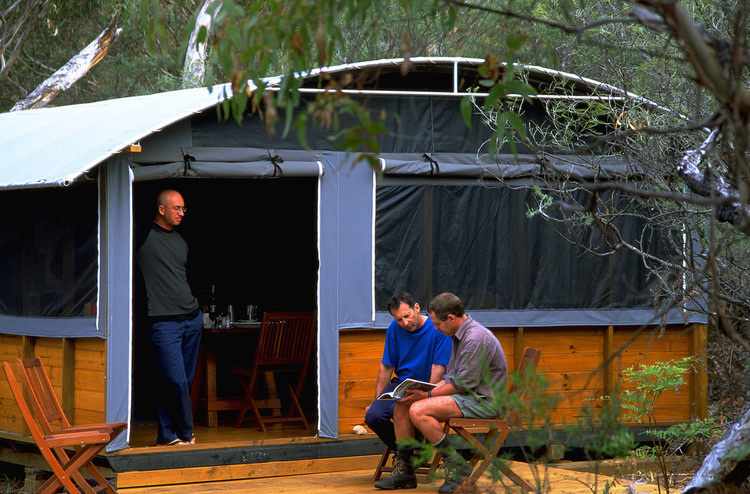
177	208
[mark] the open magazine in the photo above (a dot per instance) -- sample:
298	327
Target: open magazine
406	385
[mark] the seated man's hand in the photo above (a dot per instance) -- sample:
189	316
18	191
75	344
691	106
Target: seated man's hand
413	395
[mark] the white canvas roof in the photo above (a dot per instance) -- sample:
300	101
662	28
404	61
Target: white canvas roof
54	146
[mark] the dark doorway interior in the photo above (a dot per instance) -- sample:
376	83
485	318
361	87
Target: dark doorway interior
255	240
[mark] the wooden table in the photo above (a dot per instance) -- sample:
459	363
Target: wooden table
205	371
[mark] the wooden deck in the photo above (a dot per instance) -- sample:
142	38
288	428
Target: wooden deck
555	481
350	474
287	460
144	436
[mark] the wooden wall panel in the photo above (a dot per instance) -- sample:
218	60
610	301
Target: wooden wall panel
91	354
651	346
86	385
572	363
11	348
360	369
10	415
573	360
90	371
507	340
360	353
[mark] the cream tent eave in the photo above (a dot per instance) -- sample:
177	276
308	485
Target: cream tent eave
56	146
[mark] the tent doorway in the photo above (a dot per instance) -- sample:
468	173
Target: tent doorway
255	241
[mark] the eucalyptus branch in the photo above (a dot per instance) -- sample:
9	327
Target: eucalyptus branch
663	194
621	243
18	34
595	142
72	71
538	20
704	52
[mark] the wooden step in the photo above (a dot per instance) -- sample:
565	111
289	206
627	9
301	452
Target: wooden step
248	471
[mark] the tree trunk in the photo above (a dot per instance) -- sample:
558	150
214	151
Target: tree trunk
194	71
726	467
72	71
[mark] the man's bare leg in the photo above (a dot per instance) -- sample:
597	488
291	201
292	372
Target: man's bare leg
403	476
428	416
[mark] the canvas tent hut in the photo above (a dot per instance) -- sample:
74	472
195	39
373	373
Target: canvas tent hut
283	226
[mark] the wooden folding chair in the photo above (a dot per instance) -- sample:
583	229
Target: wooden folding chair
496	429
284	345
55	436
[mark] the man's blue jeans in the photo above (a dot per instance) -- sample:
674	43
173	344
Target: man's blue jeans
175	345
378	418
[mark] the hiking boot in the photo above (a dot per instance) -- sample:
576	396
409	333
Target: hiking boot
402	476
457	470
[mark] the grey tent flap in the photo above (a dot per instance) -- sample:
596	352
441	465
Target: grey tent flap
507	166
220	162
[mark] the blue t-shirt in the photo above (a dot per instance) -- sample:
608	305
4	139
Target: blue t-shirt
412	355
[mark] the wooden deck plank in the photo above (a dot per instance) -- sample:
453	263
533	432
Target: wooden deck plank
559	481
279	469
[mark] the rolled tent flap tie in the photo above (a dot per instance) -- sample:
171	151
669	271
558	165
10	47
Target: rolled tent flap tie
434	165
187	159
275	160
219	162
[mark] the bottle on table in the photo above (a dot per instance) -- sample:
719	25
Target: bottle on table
212	303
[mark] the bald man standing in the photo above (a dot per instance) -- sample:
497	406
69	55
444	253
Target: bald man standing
174	317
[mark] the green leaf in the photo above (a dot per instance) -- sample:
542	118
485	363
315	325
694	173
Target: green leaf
289	119
202	34
301	126
515	43
467	107
515	120
497	92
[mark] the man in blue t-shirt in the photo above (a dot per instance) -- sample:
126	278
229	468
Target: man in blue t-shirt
413	349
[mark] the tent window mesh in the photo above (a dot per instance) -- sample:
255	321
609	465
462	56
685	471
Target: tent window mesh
479	243
48	252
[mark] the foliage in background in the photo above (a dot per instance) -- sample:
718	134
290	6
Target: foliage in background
529	409
642	387
129	69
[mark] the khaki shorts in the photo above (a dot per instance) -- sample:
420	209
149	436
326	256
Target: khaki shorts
475	407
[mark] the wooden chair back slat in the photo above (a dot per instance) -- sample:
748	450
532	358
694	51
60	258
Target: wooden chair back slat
23	406
285	344
529	362
35	378
285	338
